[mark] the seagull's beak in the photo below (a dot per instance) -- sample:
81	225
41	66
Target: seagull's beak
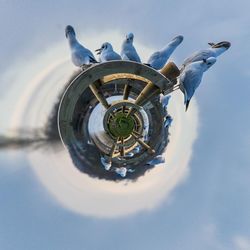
224	44
98	51
211	44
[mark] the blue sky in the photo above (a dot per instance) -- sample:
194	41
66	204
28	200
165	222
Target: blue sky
211	209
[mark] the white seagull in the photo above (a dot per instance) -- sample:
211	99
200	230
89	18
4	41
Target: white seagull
165	101
122	171
159	159
215	50
159	58
130	154
80	55
137	149
106	163
191	76
128	51
168	121
107	53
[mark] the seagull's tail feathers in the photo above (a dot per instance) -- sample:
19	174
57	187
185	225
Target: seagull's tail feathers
186	100
187	104
92	60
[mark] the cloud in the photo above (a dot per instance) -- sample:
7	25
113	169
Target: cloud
72	189
241	242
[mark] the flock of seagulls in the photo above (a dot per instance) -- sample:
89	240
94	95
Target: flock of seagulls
81	55
192	68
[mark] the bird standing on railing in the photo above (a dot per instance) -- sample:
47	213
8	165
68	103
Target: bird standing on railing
80	55
128	51
159	58
107	53
191	76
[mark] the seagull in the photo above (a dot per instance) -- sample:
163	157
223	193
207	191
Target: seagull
107	53
159	58
80	55
165	101
130	154
191	76
128	51
137	149
106	164
122	171
215	50
159	159
168	120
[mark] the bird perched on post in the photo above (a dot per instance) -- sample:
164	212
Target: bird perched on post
128	51
159	58
80	55
215	50
191	76
107	53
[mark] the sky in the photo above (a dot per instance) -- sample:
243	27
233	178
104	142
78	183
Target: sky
207	207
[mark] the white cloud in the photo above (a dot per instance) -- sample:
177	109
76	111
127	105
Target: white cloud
241	242
74	190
